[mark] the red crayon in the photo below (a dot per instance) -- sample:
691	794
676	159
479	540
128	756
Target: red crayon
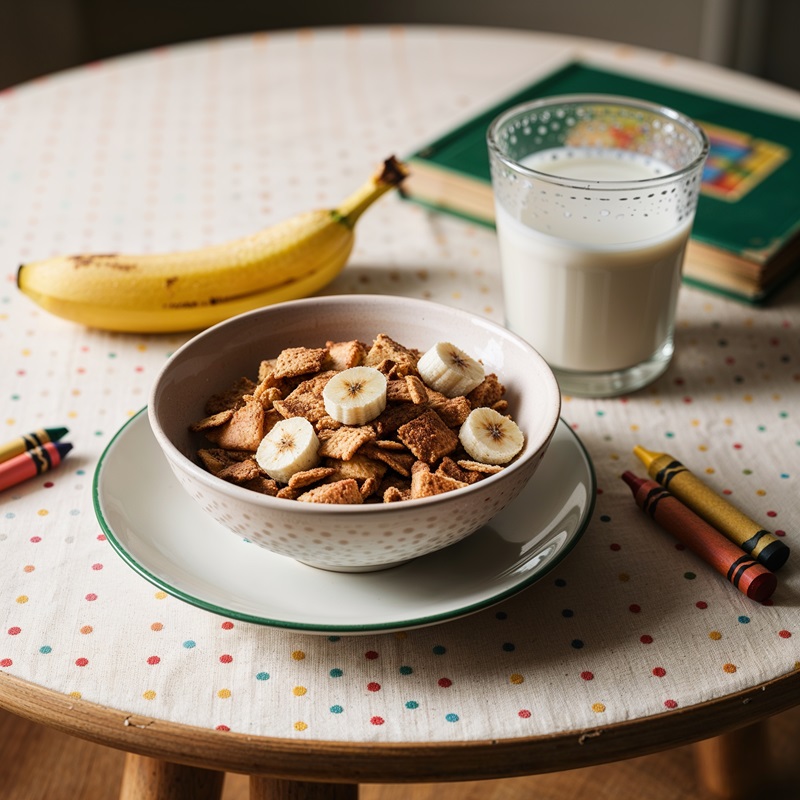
32	463
740	568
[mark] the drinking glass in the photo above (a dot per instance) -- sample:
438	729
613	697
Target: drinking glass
595	197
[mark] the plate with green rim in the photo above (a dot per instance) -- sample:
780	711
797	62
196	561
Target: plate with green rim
162	534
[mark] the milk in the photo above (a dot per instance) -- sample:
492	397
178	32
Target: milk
591	279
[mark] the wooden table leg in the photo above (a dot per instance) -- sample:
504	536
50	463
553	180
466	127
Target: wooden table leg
151	779
735	766
274	789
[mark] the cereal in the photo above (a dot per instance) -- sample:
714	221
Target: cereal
384	348
345	355
244	430
341	492
410	450
299	361
427	437
425	483
344	442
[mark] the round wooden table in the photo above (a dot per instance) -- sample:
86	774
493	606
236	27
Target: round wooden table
627	647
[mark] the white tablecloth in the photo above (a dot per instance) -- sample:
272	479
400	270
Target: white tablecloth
197	144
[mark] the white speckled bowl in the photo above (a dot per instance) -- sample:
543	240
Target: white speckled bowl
360	537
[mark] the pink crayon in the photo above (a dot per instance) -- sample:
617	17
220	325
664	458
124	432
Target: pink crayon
730	561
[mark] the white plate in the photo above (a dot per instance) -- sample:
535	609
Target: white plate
167	538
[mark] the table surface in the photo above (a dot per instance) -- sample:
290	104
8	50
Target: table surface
200	143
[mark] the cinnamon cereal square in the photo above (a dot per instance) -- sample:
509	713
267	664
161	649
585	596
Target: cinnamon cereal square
393	417
400	461
240	472
428	438
480	467
214	421
417	390
451	469
309	476
339	493
425	483
345	441
244	430
486	393
358	467
453	410
263	485
215	459
345	355
294	361
305	400
384	347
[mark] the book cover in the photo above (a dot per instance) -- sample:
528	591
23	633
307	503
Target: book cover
746	236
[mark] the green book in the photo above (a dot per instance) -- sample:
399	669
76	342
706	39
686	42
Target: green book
746	236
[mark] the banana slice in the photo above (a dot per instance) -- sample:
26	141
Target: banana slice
290	446
356	395
489	437
449	370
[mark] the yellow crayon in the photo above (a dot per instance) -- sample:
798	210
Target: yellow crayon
714	509
29	441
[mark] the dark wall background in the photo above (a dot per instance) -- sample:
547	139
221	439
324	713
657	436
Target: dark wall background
757	36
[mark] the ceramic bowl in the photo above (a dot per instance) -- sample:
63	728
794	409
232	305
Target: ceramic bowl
349	537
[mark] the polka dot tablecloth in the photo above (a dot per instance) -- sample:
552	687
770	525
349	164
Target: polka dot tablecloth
199	143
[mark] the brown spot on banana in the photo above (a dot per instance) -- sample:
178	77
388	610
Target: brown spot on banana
109	260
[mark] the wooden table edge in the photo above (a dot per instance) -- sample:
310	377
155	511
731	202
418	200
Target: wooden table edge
395	762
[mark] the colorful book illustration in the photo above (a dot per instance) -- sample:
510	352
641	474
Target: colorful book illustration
746	236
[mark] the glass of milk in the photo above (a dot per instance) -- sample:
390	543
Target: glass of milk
594	198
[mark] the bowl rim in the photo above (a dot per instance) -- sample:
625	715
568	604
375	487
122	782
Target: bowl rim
267	502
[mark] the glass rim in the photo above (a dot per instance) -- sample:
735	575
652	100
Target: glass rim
597	99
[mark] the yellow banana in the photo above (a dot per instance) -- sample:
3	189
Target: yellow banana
187	290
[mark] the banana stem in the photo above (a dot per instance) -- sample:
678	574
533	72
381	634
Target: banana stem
390	175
